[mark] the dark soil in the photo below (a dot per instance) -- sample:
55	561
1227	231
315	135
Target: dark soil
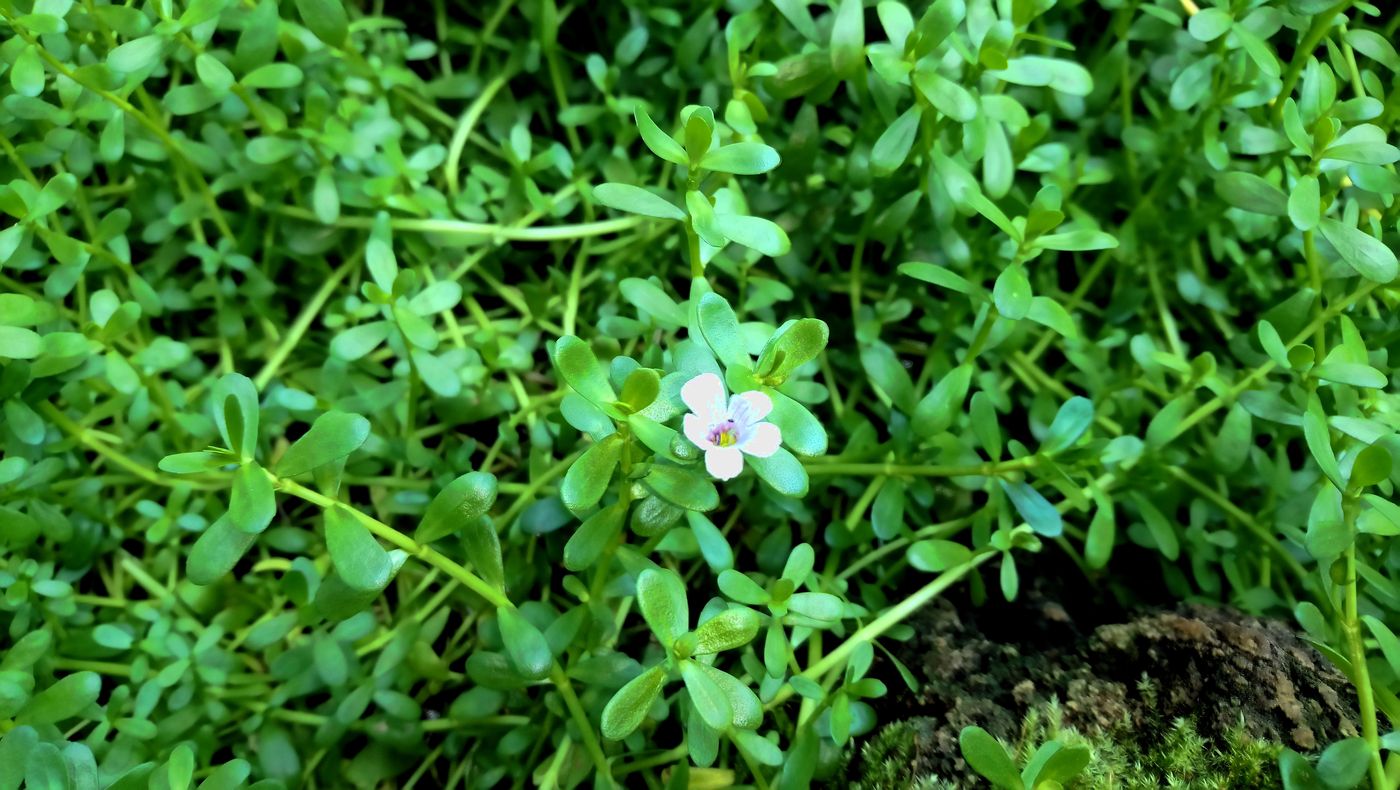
1128	674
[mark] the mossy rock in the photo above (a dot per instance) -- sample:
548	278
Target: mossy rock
1191	697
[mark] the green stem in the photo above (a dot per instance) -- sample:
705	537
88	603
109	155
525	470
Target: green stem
85	437
576	712
453	227
303	322
397	539
469	580
1320	25
697	265
888	619
1356	653
817	467
465	126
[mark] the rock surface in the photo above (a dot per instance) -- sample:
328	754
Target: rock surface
1112	673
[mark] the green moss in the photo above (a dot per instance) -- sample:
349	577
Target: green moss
1126	758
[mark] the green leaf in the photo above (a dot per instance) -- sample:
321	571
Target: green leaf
660	143
252	503
1209	24
18	342
325	201
1389	644
702	218
588	477
757	746
1051	314
1034	508
725	631
887	372
936	411
1305	203
755	233
68	697
699	134
593	537
574	360
741	588
640	389
1062	75
940	20
1369	256
333	436
1350	373
988	758
326	20
1371	467
937	275
936	556
1012	293
847	44
887	512
627	709
819	606
794	344
216	551
1374	46
461	508
525	645
1251	193
782	471
235	402
1071	421
682	486
269	150
358	558
274	76
136	55
662	599
1162	531
357	341
946	96
802	432
746	159
707	696
635	200
1231	447
213	73
1319	441
649	298
1344	763
986	425
27	73
1082	240
895	142
745	709
720	328
383	265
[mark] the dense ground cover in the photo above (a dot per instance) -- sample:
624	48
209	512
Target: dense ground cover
533	394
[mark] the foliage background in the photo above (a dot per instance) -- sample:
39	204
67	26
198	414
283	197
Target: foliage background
1110	280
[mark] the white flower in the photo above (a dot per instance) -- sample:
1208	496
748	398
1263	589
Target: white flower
727	428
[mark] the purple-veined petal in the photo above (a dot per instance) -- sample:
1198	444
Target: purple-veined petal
697	431
752	406
705	396
724	463
762	440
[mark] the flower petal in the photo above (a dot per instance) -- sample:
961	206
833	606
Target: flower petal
762	440
705	396
756	406
697	431
725	463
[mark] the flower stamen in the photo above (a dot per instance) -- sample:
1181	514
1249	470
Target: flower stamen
724	433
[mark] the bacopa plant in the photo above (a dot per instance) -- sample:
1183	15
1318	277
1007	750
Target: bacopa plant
518	394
